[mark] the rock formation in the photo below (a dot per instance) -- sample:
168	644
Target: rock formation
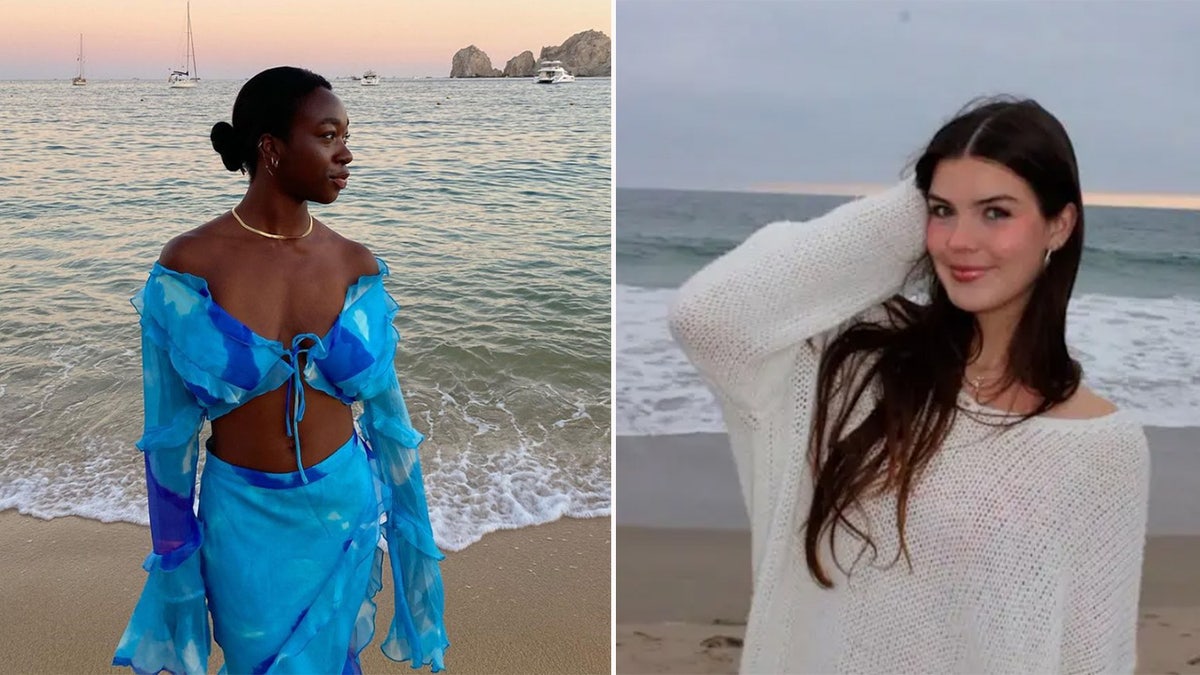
521	65
586	54
472	62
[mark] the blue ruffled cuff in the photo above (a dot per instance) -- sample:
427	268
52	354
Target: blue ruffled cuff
169	628
417	632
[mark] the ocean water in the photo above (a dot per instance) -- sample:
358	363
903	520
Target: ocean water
1133	323
489	200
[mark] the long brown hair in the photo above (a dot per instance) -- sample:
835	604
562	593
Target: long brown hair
917	358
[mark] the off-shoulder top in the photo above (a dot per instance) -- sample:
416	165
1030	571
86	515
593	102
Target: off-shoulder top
199	362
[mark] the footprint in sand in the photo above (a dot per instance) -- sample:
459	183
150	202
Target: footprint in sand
647	636
718	641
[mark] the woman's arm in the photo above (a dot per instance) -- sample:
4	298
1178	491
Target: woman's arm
738	318
169	627
417	631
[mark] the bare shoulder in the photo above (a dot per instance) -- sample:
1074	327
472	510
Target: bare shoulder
356	257
1084	404
189	252
361	259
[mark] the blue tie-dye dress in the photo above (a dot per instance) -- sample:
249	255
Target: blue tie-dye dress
286	563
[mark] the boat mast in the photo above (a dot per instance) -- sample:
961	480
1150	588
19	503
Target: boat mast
195	72
80	58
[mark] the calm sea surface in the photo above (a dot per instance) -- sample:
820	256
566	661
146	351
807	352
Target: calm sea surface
488	199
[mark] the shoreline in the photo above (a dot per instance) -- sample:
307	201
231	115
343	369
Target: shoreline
512	599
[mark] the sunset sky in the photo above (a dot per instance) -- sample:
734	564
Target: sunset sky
237	38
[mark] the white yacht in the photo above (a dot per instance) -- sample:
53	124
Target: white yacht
370	79
552	72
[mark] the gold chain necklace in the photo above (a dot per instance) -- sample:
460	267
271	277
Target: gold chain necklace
268	234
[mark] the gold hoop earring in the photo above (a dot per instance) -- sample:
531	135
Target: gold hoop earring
272	164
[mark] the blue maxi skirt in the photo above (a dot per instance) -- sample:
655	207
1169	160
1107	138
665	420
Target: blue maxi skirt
287	565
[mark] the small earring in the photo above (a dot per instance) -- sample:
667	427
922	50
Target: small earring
1046	260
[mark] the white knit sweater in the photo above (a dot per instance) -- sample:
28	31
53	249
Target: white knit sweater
1026	545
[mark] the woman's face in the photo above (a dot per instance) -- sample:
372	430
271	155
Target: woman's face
313	161
986	234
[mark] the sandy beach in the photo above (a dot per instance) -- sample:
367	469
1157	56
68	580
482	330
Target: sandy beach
534	600
683	561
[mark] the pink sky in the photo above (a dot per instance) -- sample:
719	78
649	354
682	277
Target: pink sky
237	38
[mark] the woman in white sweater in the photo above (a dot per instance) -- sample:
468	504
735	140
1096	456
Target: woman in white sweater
931	487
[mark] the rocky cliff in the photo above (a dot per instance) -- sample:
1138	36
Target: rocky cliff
472	62
521	65
586	54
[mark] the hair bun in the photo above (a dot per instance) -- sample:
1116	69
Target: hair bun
225	141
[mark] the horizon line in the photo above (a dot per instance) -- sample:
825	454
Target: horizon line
246	77
1160	200
1167	200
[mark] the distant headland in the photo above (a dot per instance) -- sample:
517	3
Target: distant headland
586	54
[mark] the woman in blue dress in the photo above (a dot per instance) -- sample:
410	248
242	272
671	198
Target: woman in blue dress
269	324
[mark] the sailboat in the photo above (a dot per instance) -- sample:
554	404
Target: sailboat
186	77
79	79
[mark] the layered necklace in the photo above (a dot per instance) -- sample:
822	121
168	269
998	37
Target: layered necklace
978	382
270	235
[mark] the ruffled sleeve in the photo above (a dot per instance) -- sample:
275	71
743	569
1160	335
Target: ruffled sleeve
417	632
169	628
